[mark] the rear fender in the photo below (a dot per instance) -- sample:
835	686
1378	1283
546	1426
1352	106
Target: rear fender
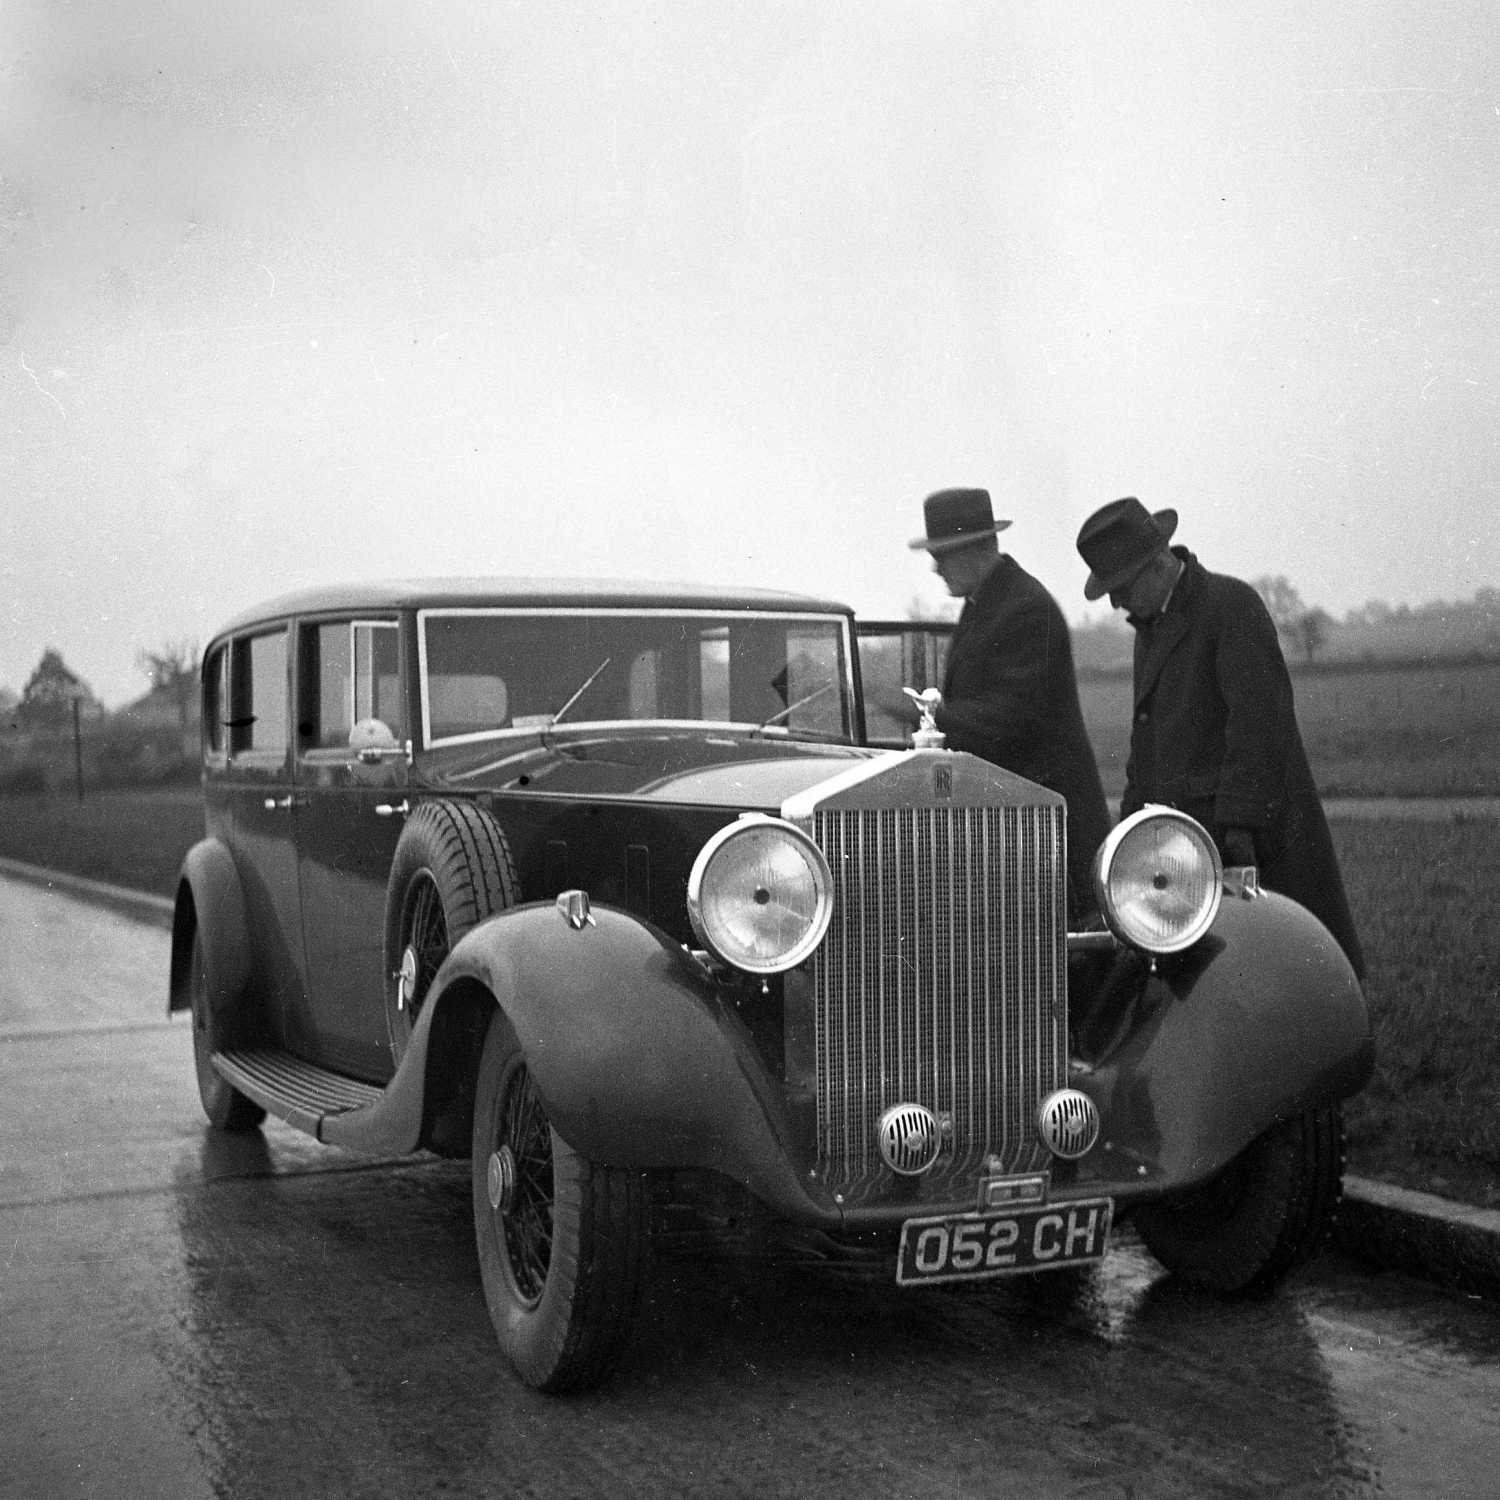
638	1057
1261	1021
211	902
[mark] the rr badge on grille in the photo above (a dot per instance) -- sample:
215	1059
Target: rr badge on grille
942	783
909	1137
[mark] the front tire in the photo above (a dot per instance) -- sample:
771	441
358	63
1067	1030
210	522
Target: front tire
562	1240
1262	1217
226	1108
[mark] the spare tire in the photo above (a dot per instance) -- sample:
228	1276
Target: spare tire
452	869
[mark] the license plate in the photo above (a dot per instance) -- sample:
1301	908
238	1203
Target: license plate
970	1247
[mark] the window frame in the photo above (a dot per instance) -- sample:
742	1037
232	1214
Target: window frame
310	685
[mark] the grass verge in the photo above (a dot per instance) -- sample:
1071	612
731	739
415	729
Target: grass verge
129	838
1421	893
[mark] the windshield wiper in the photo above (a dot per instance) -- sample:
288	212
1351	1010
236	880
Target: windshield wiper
792	708
587	684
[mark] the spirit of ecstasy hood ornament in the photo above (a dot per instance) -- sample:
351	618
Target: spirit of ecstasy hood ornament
927	736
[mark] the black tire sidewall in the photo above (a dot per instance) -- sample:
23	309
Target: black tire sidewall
572	1335
223	1105
1287	1183
526	1330
463	851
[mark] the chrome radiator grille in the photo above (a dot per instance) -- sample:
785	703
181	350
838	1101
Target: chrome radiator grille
942	980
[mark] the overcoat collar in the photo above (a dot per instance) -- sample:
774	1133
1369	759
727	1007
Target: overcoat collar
991	587
1169	629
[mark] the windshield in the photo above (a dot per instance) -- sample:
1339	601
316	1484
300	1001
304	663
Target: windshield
499	671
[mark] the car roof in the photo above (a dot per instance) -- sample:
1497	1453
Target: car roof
516	592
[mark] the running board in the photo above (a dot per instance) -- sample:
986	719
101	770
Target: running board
301	1093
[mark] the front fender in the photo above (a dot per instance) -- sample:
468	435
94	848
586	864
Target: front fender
1261	1021
210	902
636	1053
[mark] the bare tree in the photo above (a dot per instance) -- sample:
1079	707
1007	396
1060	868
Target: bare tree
173	673
1311	630
48	697
1282	601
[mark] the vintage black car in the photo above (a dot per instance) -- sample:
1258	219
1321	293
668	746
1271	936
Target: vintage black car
601	886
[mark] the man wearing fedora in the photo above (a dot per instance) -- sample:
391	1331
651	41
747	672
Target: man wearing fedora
1009	693
1215	732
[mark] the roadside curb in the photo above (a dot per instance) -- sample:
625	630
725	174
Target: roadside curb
1402	1230
157	910
1389	1227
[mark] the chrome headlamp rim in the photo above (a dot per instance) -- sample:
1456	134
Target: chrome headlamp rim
817	928
1105	863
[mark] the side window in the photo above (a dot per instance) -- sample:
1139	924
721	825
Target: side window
332	670
897	656
353	678
215	701
377	675
713	673
258	708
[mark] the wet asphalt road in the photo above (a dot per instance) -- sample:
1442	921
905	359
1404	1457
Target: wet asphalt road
183	1315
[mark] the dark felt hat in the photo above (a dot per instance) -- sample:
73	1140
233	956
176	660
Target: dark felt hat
1118	540
955	518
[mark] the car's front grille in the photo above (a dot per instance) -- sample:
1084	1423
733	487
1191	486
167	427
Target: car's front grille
942	980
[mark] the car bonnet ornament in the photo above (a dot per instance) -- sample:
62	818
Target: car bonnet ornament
927	736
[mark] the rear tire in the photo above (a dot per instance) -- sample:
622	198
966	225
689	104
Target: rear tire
1259	1219
226	1108
563	1242
452	869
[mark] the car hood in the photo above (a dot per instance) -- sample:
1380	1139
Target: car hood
710	769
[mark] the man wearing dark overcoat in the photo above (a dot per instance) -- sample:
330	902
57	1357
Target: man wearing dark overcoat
1215	731
1009	693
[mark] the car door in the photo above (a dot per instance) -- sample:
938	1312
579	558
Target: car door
351	774
894	655
257	791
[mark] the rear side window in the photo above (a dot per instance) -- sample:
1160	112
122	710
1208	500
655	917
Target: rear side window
353	673
258	718
215	700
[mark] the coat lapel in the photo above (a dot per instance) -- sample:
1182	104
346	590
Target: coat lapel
1152	655
1169	631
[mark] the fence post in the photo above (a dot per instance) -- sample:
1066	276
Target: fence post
78	747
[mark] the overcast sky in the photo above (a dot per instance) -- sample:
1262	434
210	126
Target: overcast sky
718	291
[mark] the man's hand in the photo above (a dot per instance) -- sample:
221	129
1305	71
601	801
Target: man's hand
1237	846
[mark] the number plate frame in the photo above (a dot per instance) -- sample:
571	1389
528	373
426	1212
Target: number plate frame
1041	1238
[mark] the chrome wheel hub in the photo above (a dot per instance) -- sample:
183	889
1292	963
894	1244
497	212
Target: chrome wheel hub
406	978
500	1180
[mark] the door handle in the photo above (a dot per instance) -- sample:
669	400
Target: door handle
392	809
279	804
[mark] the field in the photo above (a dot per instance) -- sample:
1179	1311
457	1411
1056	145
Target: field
1369	732
1421	891
1423	896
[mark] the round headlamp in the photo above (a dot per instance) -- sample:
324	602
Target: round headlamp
1159	880
760	896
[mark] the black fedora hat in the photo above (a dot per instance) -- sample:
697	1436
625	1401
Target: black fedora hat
955	518
1118	540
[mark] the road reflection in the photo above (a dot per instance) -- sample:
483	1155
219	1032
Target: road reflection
332	1338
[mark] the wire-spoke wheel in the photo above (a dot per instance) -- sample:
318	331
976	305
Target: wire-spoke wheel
452	869
562	1241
